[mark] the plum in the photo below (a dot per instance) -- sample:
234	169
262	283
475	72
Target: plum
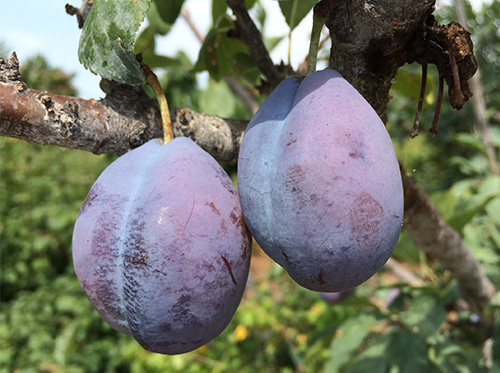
319	183
160	247
336	297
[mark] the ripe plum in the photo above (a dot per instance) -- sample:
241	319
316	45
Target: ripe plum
319	183
160	247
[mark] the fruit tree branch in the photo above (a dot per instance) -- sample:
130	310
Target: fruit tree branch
253	39
125	119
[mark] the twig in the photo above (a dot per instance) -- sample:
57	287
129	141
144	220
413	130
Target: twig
154	83
81	13
416	122
247	99
402	273
253	39
433	130
320	13
125	119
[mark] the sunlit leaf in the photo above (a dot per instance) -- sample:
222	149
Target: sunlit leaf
295	10
169	9
107	40
219	8
348	339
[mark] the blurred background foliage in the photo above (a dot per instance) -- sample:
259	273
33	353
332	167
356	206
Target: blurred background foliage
388	325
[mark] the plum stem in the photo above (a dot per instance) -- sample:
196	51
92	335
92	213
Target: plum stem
414	130
154	83
320	13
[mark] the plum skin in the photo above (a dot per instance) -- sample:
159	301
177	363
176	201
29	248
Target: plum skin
319	183
160	247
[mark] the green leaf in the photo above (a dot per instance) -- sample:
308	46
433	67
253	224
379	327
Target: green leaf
219	8
295	10
348	339
107	40
218	99
407	352
471	141
156	22
371	360
250	3
169	9
223	56
272	41
425	315
145	44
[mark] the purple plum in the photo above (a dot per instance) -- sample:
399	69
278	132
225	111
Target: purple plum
336	297
160	246
319	183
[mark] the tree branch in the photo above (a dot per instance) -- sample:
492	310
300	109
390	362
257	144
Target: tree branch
437	239
245	96
253	39
124	120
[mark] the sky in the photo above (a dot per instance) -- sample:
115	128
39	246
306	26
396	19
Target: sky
33	26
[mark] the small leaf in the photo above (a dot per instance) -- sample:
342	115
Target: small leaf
295	10
222	55
272	42
348	339
107	40
407	352
169	9
156	22
425	315
219	8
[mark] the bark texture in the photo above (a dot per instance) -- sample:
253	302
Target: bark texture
124	120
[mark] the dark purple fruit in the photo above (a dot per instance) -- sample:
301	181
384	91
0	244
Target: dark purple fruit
319	183
160	247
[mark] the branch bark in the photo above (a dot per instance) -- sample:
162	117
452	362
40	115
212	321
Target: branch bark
125	119
253	38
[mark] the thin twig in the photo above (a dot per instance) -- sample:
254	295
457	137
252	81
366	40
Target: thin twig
414	130
253	39
433	130
246	97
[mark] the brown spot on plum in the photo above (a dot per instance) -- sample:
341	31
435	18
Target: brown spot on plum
243	250
215	210
224	180
365	219
223	226
93	194
237	219
320	276
357	151
287	259
234	218
295	175
228	266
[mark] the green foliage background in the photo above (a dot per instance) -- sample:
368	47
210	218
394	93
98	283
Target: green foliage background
47	324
